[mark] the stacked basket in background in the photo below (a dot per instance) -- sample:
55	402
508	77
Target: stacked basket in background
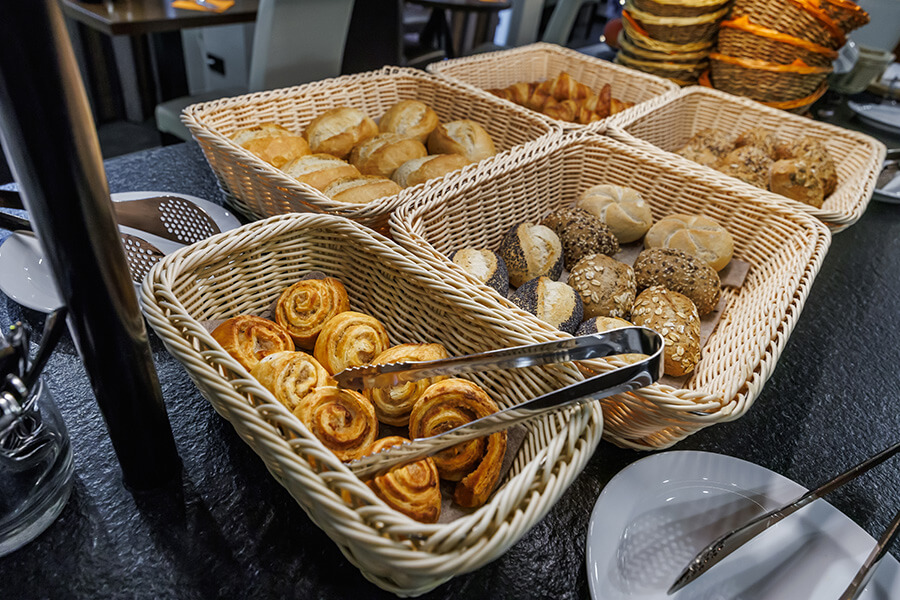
780	52
670	38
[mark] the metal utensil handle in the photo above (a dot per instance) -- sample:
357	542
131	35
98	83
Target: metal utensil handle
617	341
624	379
867	570
12	222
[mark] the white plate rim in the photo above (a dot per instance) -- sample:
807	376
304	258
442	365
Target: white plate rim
864	111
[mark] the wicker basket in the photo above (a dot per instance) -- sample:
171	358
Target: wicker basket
540	61
799	18
681	72
858	156
784	247
846	14
678	30
798	106
635	50
764	81
639	36
259	190
743	39
680	8
243	270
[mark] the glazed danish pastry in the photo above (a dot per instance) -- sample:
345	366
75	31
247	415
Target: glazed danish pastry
290	376
249	339
350	339
413	489
393	404
474	464
343	420
305	307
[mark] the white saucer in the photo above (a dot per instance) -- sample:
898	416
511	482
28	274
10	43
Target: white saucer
25	276
881	116
655	515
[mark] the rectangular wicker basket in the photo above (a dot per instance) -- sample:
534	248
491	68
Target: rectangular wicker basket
258	190
243	270
541	61
784	248
668	127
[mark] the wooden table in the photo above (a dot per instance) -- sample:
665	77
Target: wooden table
136	17
473	23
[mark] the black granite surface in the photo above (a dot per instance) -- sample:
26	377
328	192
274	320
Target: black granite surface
228	530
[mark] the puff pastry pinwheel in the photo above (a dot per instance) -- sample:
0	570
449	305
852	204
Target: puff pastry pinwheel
343	420
413	489
350	339
249	339
305	307
393	404
474	464
290	376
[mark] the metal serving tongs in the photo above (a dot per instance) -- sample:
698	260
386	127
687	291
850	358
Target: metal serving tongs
627	340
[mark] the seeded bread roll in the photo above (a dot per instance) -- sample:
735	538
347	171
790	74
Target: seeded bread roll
484	265
461	137
271	142
361	190
383	153
606	286
420	170
550	301
621	208
410	118
581	234
674	317
695	234
761	138
679	272
338	130
749	164
319	170
717	142
531	250
798	180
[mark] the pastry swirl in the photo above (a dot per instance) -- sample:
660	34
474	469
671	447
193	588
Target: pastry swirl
413	489
305	307
249	339
350	339
290	376
393	404
343	420
474	464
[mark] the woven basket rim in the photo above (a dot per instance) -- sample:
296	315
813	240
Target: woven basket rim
744	24
640	36
651	19
798	67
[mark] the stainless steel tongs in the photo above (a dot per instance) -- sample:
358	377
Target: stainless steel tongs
627	340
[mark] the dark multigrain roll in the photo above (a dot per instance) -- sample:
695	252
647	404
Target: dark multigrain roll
531	250
581	233
680	272
606	286
484	265
551	301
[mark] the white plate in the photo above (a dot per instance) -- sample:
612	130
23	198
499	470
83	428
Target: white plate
881	116
25	276
655	515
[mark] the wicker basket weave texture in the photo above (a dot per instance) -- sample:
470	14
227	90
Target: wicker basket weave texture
259	190
745	44
789	16
858	157
784	247
762	85
541	61
242	271
681	8
679	30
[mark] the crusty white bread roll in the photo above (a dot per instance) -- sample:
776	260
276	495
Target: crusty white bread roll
484	265
462	137
419	170
271	142
531	250
550	301
409	118
384	153
319	170
361	190
338	130
621	208
698	235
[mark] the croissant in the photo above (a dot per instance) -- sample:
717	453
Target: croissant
343	420
249	339
305	307
290	376
564	98
393	404
350	339
413	489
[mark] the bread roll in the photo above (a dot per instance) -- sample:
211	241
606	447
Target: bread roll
674	317
393	404
530	250
550	301
383	153
606	286
680	272
581	234
462	137
304	308
420	170
343	420
409	118
413	489
698	235
338	130
485	266
290	376
361	189
249	339
621	208
319	170
474	464
796	179
350	339
271	142
749	164
717	142
816	156
762	138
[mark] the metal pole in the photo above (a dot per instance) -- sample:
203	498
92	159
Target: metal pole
49	138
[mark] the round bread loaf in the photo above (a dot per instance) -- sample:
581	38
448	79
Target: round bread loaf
410	118
680	272
383	153
674	317
606	286
338	130
695	234
622	209
550	301
319	170
271	142
361	190
461	137
484	265
419	170
581	234
531	250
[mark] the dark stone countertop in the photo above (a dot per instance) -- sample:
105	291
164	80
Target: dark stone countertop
227	529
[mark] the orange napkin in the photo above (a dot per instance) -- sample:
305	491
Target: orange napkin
208	5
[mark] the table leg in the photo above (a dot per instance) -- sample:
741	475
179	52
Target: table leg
437	35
